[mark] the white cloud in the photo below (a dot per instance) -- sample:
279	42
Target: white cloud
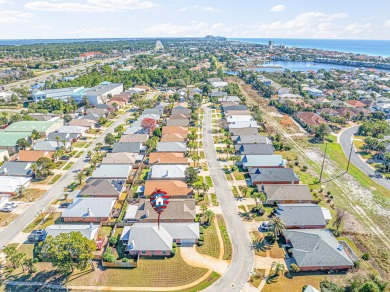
192	29
13	16
278	8
202	8
5	1
387	23
90	5
311	25
93	31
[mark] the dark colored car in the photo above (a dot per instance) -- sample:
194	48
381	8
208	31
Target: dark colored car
37	235
64	157
64	205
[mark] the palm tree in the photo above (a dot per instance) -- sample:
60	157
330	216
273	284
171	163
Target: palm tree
208	216
203	208
34	168
205	188
80	176
197	187
195	159
58	141
64	142
259	197
278	267
245	190
21	191
277	225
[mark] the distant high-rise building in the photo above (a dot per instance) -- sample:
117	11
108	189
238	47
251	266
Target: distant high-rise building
159	46
214	38
270	45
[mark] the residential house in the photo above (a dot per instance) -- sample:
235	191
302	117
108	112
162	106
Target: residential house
168	172
136	138
234	108
33	155
16	168
314	91
112	171
254	149
148	239
244	131
237	113
180	210
73	130
103	188
240	118
49	146
310	120
121	158
265	176
69	138
131	147
43	127
286	193
171	147
243	124
183	131
135	130
167	158
356	103
95	210
90	231
317	250
180	110
218	94
262	161
229	98
174	188
90	124
251	139
10	184
305	216
173	137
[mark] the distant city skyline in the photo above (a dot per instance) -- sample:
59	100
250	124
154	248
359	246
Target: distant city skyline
332	19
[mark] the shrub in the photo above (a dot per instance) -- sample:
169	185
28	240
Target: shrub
108	257
113	240
296	163
295	268
304	168
366	256
125	260
356	265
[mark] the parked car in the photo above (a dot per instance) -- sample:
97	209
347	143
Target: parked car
64	205
265	226
65	157
37	235
9	207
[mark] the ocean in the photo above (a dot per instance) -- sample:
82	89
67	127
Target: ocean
367	47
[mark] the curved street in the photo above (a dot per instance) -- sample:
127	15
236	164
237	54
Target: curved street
241	266
345	141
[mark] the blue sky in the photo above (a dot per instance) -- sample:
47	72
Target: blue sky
342	19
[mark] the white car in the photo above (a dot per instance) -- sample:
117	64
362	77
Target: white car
265	226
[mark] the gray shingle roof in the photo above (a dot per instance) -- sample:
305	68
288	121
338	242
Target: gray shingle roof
102	187
178	122
177	210
275	160
251	139
244	131
168	171
131	147
301	215
316	248
255	149
63	136
15	168
273	174
117	171
286	192
171	147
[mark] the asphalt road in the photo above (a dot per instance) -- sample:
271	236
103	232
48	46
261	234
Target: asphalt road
238	272
16	226
345	141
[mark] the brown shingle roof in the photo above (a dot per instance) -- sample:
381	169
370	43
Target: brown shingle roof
178	209
179	130
172	137
174	188
142	138
167	158
356	103
120	158
310	118
33	155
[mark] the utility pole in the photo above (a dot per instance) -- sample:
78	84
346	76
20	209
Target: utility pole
349	158
323	162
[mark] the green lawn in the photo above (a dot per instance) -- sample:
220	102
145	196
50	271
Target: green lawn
234	191
214	199
295	284
239	175
55	179
78	155
79	144
68	166
209	181
88	144
227	255
211	243
35	224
